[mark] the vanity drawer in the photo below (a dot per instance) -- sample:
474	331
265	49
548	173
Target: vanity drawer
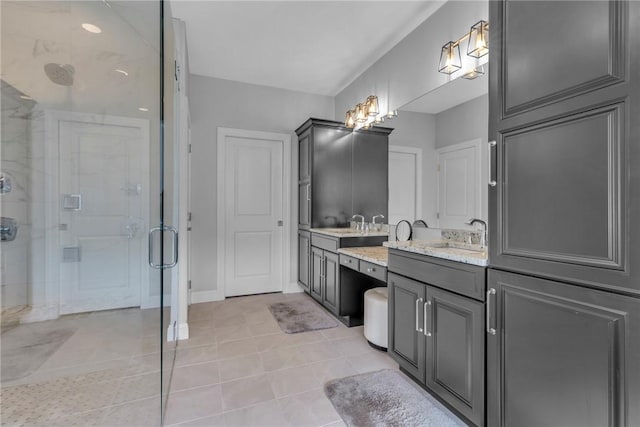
326	243
349	261
373	270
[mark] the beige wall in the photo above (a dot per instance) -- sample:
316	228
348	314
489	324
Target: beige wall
223	103
409	70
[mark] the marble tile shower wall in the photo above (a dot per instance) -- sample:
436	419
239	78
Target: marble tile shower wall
16	166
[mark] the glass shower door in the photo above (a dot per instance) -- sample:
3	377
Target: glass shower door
85	318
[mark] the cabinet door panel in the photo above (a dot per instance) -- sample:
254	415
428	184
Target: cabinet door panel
562	355
455	351
566	195
331	291
406	341
586	47
304	156
304	204
304	259
370	174
331	177
317	273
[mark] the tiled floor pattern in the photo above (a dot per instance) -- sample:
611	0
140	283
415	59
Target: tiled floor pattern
239	369
106	374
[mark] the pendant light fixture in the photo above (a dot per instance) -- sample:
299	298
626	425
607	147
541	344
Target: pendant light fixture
477	47
372	106
478	39
361	113
350	119
366	114
450	60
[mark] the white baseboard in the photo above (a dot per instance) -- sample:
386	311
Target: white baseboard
182	332
206	296
40	314
292	288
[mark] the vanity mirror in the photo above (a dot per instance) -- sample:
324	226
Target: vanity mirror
438	156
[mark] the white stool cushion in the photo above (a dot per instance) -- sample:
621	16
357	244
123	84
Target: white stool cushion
375	316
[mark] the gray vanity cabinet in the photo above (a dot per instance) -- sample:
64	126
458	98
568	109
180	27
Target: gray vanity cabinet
561	356
341	172
406	339
566	197
331	290
304	258
317	264
437	336
455	352
325	283
563	341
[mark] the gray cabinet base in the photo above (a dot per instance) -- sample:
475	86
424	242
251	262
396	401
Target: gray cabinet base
438	398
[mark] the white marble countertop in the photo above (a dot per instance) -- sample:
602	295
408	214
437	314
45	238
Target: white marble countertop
378	255
460	252
347	232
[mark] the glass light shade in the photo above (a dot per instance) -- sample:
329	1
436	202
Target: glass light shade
450	60
379	119
349	120
474	73
361	114
372	106
478	40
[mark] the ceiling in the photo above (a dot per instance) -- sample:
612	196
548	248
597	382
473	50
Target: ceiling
310	46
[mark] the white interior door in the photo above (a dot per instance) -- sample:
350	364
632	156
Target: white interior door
102	216
458	184
253	212
405	192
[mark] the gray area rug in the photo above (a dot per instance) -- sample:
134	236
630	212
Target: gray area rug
385	398
22	355
301	316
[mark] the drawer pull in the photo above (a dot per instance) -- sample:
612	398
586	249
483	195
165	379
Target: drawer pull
370	270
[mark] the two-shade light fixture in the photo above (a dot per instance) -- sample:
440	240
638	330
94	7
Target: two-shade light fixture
477	47
366	114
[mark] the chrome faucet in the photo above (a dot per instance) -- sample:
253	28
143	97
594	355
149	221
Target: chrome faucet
373	221
483	236
361	222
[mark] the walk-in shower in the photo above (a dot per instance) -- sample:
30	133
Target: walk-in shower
83	339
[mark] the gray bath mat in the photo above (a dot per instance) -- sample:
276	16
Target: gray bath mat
384	398
301	316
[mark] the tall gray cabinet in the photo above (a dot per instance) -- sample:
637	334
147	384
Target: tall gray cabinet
563	332
341	172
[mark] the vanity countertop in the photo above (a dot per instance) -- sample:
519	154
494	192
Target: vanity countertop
375	254
347	232
465	253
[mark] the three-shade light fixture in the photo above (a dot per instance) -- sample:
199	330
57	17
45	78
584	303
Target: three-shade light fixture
366	114
477	47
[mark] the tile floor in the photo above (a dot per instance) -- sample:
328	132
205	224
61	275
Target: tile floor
104	370
239	369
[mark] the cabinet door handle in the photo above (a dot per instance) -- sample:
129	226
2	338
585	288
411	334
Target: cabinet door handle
418	302
308	191
490	330
424	321
493	146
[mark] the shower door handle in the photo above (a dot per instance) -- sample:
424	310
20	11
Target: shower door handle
152	233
